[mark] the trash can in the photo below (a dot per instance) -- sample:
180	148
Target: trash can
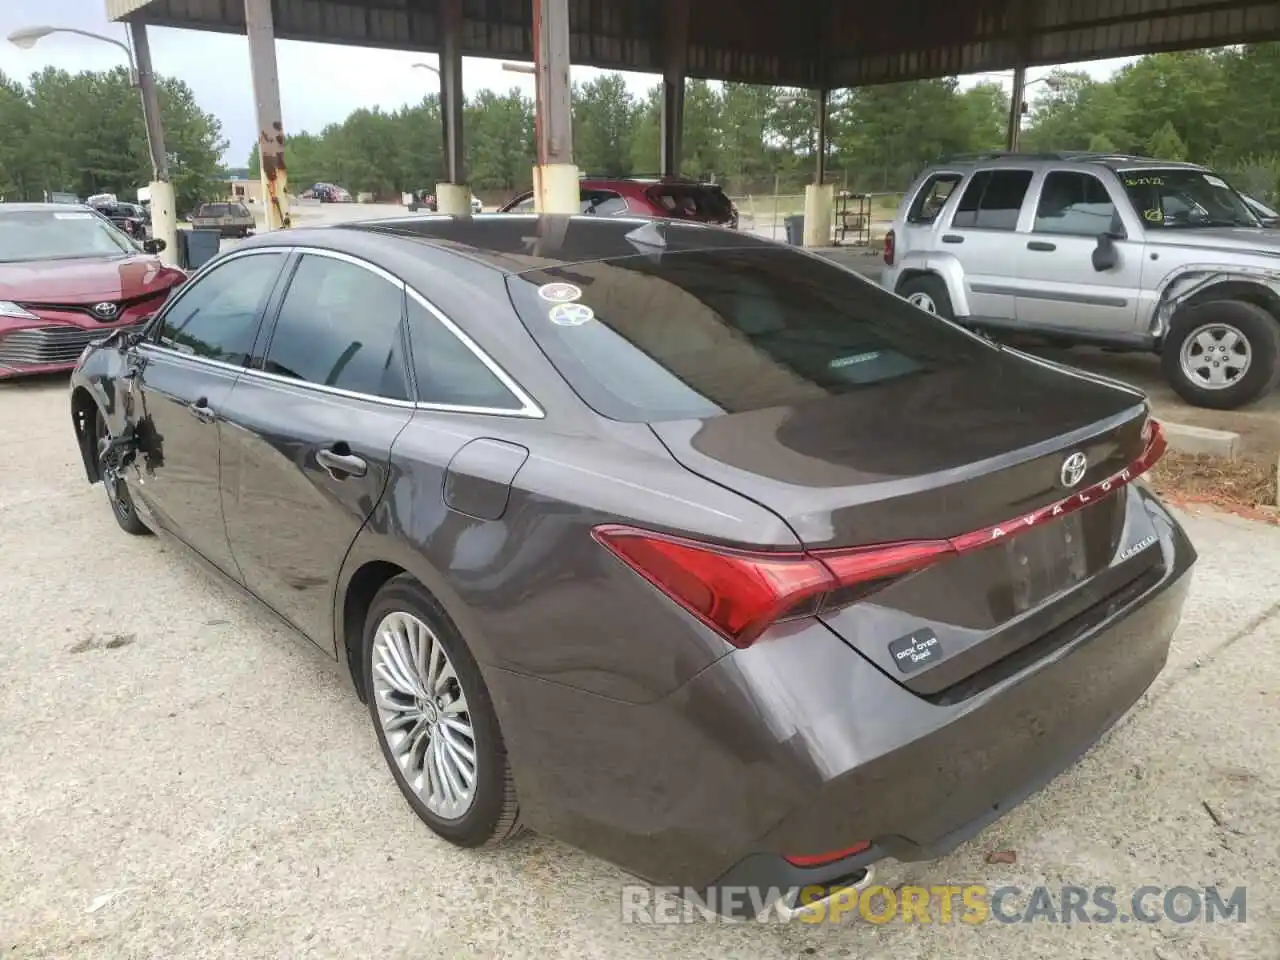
201	246
795	230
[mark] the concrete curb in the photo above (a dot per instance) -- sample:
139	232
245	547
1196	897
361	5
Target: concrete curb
1184	438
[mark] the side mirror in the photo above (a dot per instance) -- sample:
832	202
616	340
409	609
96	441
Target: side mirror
153	246
1105	255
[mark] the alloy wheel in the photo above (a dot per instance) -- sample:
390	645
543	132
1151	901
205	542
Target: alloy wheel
923	301
422	711
1215	356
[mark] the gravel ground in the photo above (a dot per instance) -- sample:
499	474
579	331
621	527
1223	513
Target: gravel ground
184	778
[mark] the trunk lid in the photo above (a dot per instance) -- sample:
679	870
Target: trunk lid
972	451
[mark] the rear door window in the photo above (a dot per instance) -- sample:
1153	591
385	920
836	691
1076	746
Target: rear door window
341	325
603	203
993	200
698	333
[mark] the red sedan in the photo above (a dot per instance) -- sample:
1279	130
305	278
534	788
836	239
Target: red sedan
67	277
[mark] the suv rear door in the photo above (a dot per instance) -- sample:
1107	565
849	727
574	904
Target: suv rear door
1058	288
982	236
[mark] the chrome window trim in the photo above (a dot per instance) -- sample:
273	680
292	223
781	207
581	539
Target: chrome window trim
185	288
529	409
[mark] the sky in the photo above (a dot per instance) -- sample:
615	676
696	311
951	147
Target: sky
319	83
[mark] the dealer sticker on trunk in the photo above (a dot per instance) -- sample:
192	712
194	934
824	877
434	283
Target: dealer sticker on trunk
916	650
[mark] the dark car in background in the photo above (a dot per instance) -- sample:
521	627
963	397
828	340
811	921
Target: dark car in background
68	277
668	197
697	552
130	218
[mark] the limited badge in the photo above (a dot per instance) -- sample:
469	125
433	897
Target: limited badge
559	292
571	314
916	650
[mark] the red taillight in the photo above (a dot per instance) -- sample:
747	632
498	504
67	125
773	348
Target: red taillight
740	593
889	241
820	859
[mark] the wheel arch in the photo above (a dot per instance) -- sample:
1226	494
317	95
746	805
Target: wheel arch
84	409
1195	285
946	268
362	586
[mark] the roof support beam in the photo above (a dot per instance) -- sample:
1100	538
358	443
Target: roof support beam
675	61
451	96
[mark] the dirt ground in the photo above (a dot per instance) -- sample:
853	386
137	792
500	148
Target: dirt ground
182	777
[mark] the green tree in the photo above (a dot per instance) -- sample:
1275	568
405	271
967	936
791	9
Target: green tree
1166	144
604	122
18	171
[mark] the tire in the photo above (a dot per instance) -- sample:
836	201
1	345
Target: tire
929	293
118	496
1245	337
491	814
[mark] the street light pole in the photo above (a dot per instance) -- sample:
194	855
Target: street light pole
164	221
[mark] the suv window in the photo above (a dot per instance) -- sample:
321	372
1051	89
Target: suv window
340	326
993	199
1076	204
603	203
240	210
217	316
698	333
446	369
695	201
1185	197
932	197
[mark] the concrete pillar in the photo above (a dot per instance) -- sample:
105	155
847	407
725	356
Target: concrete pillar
1015	107
819	204
820	138
453	196
675	57
164	216
555	178
266	95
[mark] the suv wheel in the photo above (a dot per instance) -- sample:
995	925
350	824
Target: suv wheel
1222	354
928	293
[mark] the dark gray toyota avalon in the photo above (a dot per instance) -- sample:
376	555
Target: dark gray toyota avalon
697	552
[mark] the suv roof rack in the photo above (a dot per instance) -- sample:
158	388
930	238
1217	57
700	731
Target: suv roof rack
1085	155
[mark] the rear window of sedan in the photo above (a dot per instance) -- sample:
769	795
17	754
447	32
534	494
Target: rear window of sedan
214	210
694	334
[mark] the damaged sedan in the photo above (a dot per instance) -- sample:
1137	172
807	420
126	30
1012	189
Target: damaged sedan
695	551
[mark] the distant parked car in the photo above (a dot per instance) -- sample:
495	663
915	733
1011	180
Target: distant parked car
129	217
230	219
476	205
670	197
328	193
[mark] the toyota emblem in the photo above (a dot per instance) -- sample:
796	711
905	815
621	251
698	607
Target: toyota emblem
1073	469
106	311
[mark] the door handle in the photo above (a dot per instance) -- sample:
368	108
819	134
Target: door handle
339	462
201	410
1041	246
952	238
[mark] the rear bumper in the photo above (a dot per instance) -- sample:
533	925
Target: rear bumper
798	745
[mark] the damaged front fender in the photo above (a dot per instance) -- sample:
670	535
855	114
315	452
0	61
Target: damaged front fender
1197	282
99	386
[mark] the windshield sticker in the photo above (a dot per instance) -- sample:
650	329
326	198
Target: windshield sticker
1144	181
73	216
1155	215
559	292
571	314
839	362
1214	181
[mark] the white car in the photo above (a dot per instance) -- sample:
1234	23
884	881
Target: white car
476	205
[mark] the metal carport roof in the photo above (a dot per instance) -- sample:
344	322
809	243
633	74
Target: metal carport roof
803	43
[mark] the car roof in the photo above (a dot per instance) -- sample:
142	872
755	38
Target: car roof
51	207
514	243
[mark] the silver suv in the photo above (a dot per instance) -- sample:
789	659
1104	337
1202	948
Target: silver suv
1120	251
